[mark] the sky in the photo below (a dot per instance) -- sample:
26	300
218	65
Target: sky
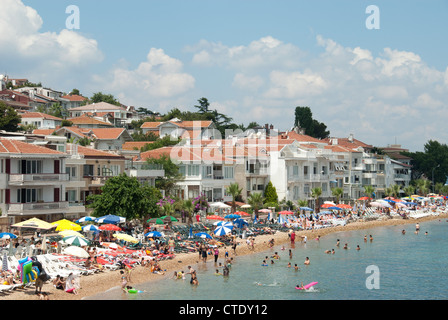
380	75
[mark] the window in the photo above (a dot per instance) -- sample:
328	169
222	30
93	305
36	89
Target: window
115	169
30	166
324	187
306	189
71	195
207	172
182	170
88	170
315	168
193	170
324	170
29	195
295	192
228	172
295	171
305	170
71	171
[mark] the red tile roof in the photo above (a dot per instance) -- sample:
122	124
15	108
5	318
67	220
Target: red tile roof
39	115
74	97
17	146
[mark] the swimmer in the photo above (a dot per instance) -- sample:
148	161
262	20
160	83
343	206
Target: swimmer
301	286
327	251
357	247
264	264
307	261
403	232
217	273
289	265
371	238
296	267
337	243
365	238
345	246
332	251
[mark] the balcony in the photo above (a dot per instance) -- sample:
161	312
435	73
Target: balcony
34	208
37	178
257	171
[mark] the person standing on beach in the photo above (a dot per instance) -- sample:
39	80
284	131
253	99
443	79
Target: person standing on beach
216	253
293	236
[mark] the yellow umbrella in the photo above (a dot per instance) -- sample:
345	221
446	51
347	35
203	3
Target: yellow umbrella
67	233
65	224
125	237
34	223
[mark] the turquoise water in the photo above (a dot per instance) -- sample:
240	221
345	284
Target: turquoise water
408	267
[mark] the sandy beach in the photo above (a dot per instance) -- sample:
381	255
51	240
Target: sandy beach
100	282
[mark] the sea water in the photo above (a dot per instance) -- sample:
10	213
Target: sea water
391	266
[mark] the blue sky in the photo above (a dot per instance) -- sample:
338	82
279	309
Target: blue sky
253	60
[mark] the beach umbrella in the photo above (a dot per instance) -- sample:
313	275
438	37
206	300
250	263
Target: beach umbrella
334	208
65	224
153	234
7	235
34	223
224	223
76	252
85	219
203	235
222	230
306	209
364	198
232	216
330	202
244	206
67	233
242	213
344	206
76	241
265	210
110	219
376	204
156	221
5	262
286	212
215	217
388	200
169	218
240	223
109	227
125	237
401	205
90	227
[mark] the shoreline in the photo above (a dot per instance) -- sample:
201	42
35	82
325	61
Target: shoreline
95	284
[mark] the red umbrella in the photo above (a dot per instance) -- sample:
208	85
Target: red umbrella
242	213
109	227
286	212
344	206
215	217
327	205
364	198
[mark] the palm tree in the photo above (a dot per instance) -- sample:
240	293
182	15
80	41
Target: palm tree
316	193
409	190
369	191
235	191
302	203
395	190
388	192
188	206
337	193
423	186
256	201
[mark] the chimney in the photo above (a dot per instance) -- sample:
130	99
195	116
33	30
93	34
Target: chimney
350	137
271	127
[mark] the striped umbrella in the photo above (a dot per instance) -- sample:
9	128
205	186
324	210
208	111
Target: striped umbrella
203	235
222	230
7	235
90	227
85	219
76	241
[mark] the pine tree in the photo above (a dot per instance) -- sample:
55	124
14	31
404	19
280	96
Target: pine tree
270	194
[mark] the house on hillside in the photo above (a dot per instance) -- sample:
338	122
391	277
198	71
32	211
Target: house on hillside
202	130
40	120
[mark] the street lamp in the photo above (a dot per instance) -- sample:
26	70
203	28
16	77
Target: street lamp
433	176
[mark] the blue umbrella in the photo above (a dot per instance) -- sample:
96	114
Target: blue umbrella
232	216
224	224
203	235
388	200
334	208
85	219
7	235
90	227
306	209
153	234
240	223
222	230
112	219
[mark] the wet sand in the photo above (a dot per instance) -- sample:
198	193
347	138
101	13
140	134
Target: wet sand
92	285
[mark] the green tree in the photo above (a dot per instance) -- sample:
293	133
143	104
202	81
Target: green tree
270	195
304	119
203	105
302	203
124	196
101	97
369	191
172	174
235	191
337	193
409	190
256	200
9	118
316	193
188	207
395	190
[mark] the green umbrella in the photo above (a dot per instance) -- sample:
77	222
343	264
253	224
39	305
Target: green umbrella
156	221
76	241
169	218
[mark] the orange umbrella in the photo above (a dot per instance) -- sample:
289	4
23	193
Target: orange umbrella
327	205
242	213
286	212
344	206
215	217
109	227
364	198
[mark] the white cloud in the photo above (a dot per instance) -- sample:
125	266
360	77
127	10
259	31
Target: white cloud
245	82
158	78
42	55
